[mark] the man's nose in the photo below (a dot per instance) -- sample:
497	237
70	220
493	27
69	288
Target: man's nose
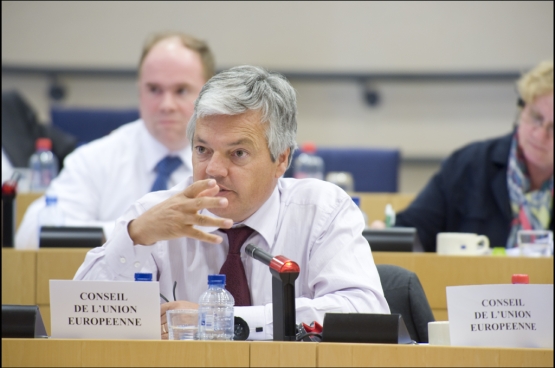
217	167
168	102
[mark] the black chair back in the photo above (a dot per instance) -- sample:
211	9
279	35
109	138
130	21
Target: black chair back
405	295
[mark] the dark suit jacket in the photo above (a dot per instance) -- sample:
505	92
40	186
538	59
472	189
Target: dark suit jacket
468	194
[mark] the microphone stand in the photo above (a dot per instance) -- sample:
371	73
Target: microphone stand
284	272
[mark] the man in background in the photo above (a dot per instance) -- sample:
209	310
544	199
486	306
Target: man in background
100	180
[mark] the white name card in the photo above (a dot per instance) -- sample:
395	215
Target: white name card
501	315
105	309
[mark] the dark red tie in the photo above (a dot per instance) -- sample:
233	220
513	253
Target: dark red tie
236	280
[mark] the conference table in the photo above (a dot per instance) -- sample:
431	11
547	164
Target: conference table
25	276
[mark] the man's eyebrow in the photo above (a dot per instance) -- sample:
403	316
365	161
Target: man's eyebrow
236	143
199	140
179	85
240	142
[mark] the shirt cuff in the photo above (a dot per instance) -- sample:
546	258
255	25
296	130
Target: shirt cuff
260	326
124	257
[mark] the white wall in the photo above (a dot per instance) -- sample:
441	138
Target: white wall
422	119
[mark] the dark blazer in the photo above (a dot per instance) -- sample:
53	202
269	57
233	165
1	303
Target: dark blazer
468	194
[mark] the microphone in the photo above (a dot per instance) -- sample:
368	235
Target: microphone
284	272
279	264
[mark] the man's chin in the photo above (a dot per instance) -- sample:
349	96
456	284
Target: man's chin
223	213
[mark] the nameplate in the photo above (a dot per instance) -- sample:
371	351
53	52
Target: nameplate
105	309
501	315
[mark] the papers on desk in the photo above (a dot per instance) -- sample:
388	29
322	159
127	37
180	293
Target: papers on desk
105	309
504	315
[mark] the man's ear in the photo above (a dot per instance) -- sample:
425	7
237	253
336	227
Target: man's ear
282	162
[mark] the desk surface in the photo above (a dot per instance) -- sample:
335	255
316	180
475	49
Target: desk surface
148	353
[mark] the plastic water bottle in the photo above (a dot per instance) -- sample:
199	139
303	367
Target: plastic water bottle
308	164
51	215
389	216
215	311
43	165
357	202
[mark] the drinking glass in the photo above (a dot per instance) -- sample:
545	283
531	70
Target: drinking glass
182	324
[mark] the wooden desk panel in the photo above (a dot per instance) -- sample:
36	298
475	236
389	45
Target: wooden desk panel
436	272
382	355
283	354
58	264
123	353
41	353
373	204
19	276
150	353
22	201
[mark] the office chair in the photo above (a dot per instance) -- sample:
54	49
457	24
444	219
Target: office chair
405	296
20	130
373	169
90	124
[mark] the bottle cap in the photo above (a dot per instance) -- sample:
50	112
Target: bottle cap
499	251
216	279
308	147
520	279
143	276
356	200
50	199
43	144
9	187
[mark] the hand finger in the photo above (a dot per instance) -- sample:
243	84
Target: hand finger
198	186
210	192
209	202
203	220
164	308
202	236
164	332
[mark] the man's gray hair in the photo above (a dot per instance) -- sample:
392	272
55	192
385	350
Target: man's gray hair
245	88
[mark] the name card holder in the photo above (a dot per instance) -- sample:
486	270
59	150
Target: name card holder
22	321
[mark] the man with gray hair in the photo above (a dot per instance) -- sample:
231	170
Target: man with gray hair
243	135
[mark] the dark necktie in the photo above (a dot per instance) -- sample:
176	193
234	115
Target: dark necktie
236	280
165	168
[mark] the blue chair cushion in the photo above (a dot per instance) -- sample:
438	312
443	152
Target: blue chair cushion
90	124
373	169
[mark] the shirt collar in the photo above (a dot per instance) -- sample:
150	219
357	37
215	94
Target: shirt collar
155	151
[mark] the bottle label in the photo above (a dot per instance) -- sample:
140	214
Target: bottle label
208	322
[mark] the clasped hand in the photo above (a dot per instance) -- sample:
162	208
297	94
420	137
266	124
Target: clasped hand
177	216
